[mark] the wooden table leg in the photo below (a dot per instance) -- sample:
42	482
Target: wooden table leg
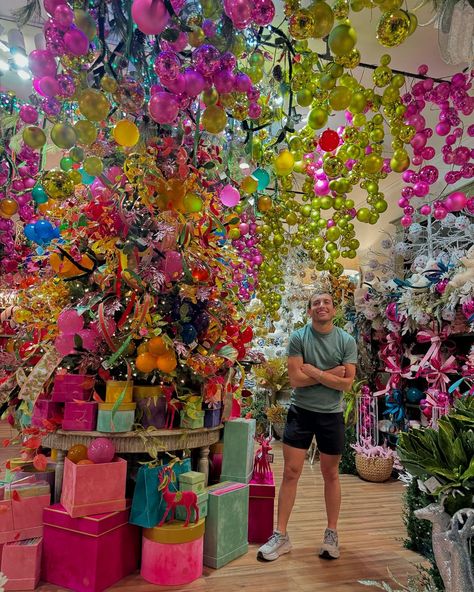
58	476
203	462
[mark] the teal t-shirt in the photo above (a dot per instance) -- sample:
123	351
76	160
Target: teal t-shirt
325	351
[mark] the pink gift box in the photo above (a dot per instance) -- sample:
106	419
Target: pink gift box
261	510
88	554
80	416
45	409
68	387
94	489
23	518
21	563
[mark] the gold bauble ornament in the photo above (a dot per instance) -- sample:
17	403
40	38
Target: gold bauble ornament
393	28
63	135
57	184
342	40
93	105
214	119
323	18
301	24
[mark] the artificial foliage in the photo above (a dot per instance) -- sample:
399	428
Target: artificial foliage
347	464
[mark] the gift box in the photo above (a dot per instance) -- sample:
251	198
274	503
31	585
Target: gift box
225	538
152	411
21	511
261	510
191	423
212	417
68	387
80	416
120	420
192	481
12	464
171	554
237	462
45	409
88	554
148	506
119	389
48	475
146	391
94	489
21	563
202	498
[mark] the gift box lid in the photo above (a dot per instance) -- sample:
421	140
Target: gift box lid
95	525
193	477
259	489
225	487
174	532
121	407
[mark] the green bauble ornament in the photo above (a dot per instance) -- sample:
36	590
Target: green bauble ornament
393	28
342	40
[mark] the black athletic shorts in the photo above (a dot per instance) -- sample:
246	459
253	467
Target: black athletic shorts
301	425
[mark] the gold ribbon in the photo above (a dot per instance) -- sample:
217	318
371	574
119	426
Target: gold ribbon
41	373
174	532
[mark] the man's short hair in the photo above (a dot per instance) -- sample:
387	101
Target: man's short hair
319	293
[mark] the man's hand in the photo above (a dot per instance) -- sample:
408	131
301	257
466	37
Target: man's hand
338	371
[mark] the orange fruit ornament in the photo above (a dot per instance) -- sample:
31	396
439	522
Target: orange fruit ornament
157	346
86	461
166	363
77	452
145	362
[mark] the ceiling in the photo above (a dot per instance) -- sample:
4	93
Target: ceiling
420	48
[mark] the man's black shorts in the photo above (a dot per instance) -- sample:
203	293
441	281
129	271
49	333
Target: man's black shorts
302	424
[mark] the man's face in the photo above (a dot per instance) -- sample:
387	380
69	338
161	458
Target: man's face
322	308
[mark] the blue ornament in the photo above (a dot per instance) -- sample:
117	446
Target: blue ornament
44	230
414	395
188	333
30	232
86	178
263	178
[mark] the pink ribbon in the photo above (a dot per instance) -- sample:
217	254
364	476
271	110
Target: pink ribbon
396	374
426	336
436	375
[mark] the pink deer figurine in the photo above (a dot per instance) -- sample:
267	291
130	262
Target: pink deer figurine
261	466
188	499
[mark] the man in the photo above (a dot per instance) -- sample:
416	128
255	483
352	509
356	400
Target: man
321	365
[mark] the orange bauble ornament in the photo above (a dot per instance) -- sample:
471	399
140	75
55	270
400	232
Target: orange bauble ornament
166	363
77	452
157	346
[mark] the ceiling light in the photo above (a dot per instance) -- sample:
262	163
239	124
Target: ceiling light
4	65
23	75
20	59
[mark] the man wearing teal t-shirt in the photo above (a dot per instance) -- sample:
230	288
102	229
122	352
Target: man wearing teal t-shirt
321	365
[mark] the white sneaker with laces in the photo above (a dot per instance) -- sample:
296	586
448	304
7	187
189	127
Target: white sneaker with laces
330	547
276	545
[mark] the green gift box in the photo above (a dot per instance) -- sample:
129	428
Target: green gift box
119	420
192	423
202	499
225	538
237	461
192	481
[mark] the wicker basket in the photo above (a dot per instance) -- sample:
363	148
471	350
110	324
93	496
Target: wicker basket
375	469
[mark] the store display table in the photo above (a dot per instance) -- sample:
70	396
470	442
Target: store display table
135	443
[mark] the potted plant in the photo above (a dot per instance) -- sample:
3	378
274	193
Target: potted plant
276	415
374	463
273	375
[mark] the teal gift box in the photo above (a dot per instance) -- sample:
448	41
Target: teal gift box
202	502
225	538
119	420
237	461
192	481
191	423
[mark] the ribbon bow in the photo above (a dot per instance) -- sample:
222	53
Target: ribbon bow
436	339
437	374
394	406
393	367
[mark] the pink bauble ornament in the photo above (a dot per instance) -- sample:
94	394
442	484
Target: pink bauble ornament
48	86
101	450
406	221
194	82
64	344
163	108
263	12
76	42
229	196
440	213
150	16
28	114
70	322
63	16
456	201
42	63
51	5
